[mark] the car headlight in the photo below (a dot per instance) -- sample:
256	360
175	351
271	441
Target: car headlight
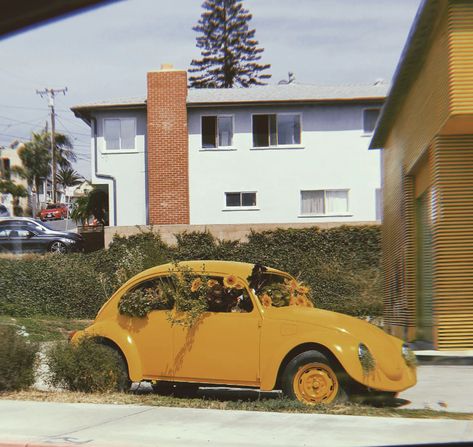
409	356
368	363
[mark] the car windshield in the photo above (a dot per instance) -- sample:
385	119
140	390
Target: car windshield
41	225
52	206
275	290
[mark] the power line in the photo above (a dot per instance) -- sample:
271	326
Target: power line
8	106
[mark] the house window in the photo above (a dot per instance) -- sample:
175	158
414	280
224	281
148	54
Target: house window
330	202
370	118
217	131
240	199
119	133
276	130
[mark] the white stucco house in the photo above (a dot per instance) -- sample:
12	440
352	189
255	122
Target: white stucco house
273	154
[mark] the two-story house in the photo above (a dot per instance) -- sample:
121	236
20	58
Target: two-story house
273	154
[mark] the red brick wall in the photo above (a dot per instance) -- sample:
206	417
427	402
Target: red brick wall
168	162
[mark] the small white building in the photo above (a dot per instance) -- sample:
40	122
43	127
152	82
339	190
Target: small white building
273	154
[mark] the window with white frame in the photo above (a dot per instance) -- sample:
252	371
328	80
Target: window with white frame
320	202
217	131
240	199
276	130
370	118
119	133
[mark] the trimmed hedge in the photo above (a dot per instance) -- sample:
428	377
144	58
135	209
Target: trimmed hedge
341	264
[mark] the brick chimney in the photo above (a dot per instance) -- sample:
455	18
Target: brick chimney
168	161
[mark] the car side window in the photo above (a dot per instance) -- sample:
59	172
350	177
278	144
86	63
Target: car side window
4	232
225	296
157	292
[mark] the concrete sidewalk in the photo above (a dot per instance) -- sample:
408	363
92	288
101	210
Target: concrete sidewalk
58	424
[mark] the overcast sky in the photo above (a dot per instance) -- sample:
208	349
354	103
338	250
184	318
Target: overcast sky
105	53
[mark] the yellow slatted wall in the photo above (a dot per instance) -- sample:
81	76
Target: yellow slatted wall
453	241
460	25
409	140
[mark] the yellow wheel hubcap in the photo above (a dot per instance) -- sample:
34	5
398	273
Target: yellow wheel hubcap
315	383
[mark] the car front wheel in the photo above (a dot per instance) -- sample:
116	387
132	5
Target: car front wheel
58	247
312	379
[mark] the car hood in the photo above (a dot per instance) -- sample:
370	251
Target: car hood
383	346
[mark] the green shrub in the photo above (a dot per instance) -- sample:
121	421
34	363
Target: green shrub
17	360
87	366
341	265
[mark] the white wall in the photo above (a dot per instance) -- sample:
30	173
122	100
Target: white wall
333	155
128	169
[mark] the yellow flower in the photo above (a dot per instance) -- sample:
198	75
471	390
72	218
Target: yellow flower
230	281
291	284
212	283
302	289
196	284
266	300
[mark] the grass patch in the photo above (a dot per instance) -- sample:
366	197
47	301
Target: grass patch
41	329
273	404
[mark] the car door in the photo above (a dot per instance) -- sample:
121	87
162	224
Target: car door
222	347
21	240
4	239
152	334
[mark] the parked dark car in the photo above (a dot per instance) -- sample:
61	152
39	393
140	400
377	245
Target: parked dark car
19	235
3	211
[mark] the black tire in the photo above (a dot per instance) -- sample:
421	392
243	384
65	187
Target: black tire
312	379
176	389
58	247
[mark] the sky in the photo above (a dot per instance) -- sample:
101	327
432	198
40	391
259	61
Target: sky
105	53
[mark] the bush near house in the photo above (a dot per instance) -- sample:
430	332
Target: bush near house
341	265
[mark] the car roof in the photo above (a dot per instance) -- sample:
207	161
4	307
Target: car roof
241	269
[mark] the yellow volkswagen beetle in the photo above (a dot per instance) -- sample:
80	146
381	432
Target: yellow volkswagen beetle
239	324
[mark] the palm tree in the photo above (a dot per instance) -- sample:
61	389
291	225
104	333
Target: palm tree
68	177
35	159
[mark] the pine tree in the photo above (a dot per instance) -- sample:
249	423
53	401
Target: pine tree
229	51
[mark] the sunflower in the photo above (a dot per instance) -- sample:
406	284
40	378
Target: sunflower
291	284
212	283
266	300
196	284
230	281
302	289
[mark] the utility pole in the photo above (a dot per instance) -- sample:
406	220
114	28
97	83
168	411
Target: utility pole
51	93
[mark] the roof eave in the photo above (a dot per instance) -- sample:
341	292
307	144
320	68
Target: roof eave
409	65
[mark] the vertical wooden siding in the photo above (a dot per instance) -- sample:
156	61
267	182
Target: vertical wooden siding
453	241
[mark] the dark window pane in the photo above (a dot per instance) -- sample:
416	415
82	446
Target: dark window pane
233	199
370	117
260	131
209	131
6	168
273	130
289	129
225	131
248	199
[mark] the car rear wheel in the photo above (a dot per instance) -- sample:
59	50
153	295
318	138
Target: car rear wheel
312	379
58	247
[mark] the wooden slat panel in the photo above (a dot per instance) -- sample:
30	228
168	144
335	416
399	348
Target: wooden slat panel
453	241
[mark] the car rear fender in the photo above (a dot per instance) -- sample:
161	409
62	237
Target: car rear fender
122	339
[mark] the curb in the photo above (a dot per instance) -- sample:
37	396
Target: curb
436	358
